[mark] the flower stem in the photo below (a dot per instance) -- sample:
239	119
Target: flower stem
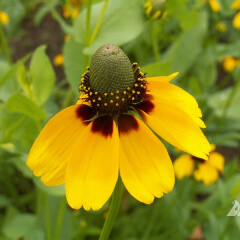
47	217
113	211
4	45
87	32
60	218
96	29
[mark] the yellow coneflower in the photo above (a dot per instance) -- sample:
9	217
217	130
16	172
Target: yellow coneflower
229	64
4	19
155	9
107	135
58	60
215	6
207	171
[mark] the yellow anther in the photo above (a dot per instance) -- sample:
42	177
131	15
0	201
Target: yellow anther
105	104
111	94
88	67
90	93
139	68
117	97
98	105
89	101
117	104
96	93
99	99
94	100
133	98
129	96
123	99
133	91
89	88
105	94
84	88
138	92
124	92
128	88
111	101
136	85
141	74
142	86
117	91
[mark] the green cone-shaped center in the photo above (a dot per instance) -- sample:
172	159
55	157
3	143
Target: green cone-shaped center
110	70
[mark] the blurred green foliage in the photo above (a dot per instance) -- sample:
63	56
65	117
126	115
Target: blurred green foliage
188	41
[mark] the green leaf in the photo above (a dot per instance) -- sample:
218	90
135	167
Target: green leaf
187	16
73	60
186	50
123	21
19	226
157	69
21	104
218	102
43	76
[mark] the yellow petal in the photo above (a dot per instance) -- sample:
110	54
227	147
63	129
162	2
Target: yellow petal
214	5
93	168
206	173
216	160
50	152
236	21
175	126
145	167
183	166
170	93
162	78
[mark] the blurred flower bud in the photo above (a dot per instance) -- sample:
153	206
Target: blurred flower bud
155	9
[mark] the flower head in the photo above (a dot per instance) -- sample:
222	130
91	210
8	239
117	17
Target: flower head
4	18
107	135
229	64
206	171
58	60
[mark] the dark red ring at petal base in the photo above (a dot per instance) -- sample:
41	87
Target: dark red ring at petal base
127	123
146	106
85	113
103	125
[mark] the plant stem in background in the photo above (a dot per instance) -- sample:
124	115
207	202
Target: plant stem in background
154	38
87	32
4	45
113	211
47	217
61	212
96	29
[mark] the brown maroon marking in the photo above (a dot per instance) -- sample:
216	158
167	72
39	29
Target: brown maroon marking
146	106
198	159
127	123
103	125
85	113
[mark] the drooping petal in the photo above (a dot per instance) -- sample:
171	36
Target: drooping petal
167	92
93	168
216	160
206	173
145	167
183	166
50	152
175	126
